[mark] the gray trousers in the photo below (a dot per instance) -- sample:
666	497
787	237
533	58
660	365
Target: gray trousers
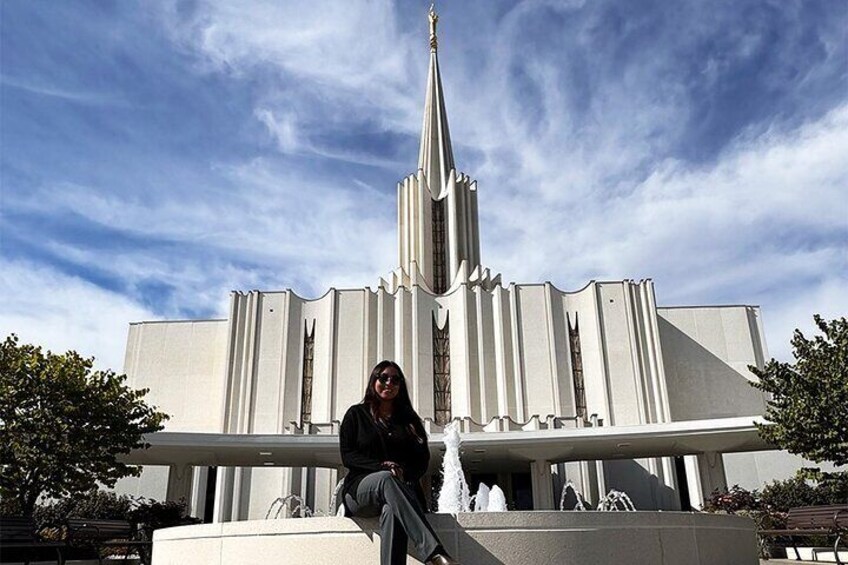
401	517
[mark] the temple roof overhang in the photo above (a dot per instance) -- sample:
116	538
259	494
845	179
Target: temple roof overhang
481	450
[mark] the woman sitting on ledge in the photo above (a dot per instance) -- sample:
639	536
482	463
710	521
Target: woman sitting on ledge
384	446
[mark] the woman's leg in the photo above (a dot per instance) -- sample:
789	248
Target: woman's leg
399	512
394	551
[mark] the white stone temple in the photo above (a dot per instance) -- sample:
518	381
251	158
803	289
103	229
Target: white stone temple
549	385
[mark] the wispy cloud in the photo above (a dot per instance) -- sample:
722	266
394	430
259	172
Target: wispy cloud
61	312
81	97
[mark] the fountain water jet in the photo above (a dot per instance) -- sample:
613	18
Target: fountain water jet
339	511
481	499
497	500
616	500
580	504
454	496
280	504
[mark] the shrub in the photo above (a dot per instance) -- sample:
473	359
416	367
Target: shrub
96	504
783	495
151	515
732	501
809	487
144	513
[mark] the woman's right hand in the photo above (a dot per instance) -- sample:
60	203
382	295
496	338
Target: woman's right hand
395	469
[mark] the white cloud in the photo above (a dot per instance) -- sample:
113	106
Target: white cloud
351	59
61	312
293	35
282	127
260	226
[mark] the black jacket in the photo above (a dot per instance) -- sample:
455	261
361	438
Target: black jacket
364	446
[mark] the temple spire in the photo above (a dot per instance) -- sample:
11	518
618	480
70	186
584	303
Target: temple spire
438	229
436	155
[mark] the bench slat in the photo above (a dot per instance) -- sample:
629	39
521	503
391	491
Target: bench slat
98	529
100	534
19	545
796	532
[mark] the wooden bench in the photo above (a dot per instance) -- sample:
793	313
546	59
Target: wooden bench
98	535
18	542
808	521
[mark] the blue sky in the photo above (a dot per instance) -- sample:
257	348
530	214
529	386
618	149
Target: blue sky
156	155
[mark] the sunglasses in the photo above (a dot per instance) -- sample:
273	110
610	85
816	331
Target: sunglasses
386	379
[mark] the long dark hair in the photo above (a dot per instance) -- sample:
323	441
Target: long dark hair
403	412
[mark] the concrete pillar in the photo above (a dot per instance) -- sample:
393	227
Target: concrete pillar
669	481
242	478
711	466
559	479
704	474
179	484
542	485
324	485
223	511
601	482
199	480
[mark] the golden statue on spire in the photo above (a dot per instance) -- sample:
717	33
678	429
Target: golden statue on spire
434	19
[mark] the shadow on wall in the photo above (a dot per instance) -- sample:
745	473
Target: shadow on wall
700	384
466	549
644	489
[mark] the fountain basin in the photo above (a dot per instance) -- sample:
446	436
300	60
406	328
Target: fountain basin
509	538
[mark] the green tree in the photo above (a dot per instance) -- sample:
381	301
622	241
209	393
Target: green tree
808	409
63	426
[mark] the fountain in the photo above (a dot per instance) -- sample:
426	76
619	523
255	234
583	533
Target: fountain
489	535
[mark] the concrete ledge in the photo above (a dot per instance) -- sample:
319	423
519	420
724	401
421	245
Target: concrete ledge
579	538
722	435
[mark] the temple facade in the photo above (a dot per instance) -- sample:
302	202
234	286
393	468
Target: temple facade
499	357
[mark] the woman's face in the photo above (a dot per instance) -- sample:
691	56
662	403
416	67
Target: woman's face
387	384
